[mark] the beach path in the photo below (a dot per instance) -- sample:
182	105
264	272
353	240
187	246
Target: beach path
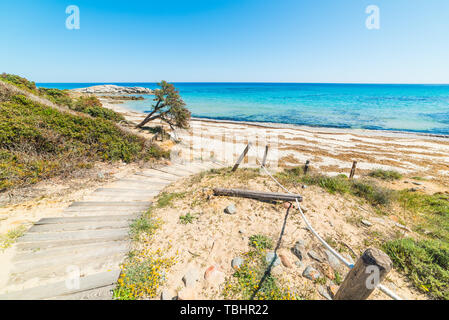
77	254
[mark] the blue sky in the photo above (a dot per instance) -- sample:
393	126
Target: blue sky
220	41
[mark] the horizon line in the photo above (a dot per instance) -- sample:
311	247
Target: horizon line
250	82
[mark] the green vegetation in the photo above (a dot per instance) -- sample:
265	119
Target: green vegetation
260	241
145	224
165	199
388	175
419	178
11	236
432	210
244	284
142	275
426	263
187	218
38	142
367	190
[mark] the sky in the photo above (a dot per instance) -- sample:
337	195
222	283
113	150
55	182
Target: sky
226	41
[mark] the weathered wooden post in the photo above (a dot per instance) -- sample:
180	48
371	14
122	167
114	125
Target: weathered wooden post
354	165
242	156
306	167
264	160
369	271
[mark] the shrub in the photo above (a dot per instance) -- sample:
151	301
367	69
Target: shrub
426	263
385	174
260	241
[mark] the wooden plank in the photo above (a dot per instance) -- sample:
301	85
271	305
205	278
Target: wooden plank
117	204
60	251
47	245
124	211
44	221
90	282
95	197
103	293
143	182
264	196
126	190
74	226
59	262
158	175
174	171
73	235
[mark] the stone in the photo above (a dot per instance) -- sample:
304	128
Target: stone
272	256
394	218
333	260
299	249
187	294
214	276
402	227
315	256
166	295
285	260
303	186
366	223
323	291
311	273
417	183
287	205
298	263
191	277
236	263
230	209
242	231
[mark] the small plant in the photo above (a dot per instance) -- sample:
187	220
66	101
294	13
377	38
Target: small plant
165	199
338	278
11	236
260	241
388	175
419	178
187	218
146	223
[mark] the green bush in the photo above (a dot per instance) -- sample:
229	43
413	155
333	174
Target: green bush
385	174
426	263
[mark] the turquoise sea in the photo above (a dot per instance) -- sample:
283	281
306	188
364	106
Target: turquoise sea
414	108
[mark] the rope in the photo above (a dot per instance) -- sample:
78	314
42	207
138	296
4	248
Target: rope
335	253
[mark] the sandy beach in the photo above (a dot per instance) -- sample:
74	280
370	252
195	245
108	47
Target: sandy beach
329	150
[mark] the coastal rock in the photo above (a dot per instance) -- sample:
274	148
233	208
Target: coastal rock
191	277
284	259
323	291
311	273
187	294
315	256
299	249
236	263
272	256
214	276
108	88
230	209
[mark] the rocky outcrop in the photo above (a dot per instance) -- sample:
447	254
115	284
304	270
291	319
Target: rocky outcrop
113	89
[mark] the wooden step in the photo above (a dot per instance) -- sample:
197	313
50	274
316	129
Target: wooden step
73	235
181	173
113	204
74	226
48	245
103	293
87	283
157	175
62	220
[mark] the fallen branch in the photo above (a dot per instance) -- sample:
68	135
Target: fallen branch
263	196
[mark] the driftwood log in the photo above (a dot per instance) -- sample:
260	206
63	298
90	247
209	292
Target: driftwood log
257	195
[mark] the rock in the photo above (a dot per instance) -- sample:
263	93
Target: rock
287	205
285	260
333	260
230	209
214	276
323	291
242	231
272	256
100	175
107	88
303	186
315	256
298	263
299	249
236	263
191	277
417	183
413	189
332	289
402	227
187	294
311	273
166	295
366	223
